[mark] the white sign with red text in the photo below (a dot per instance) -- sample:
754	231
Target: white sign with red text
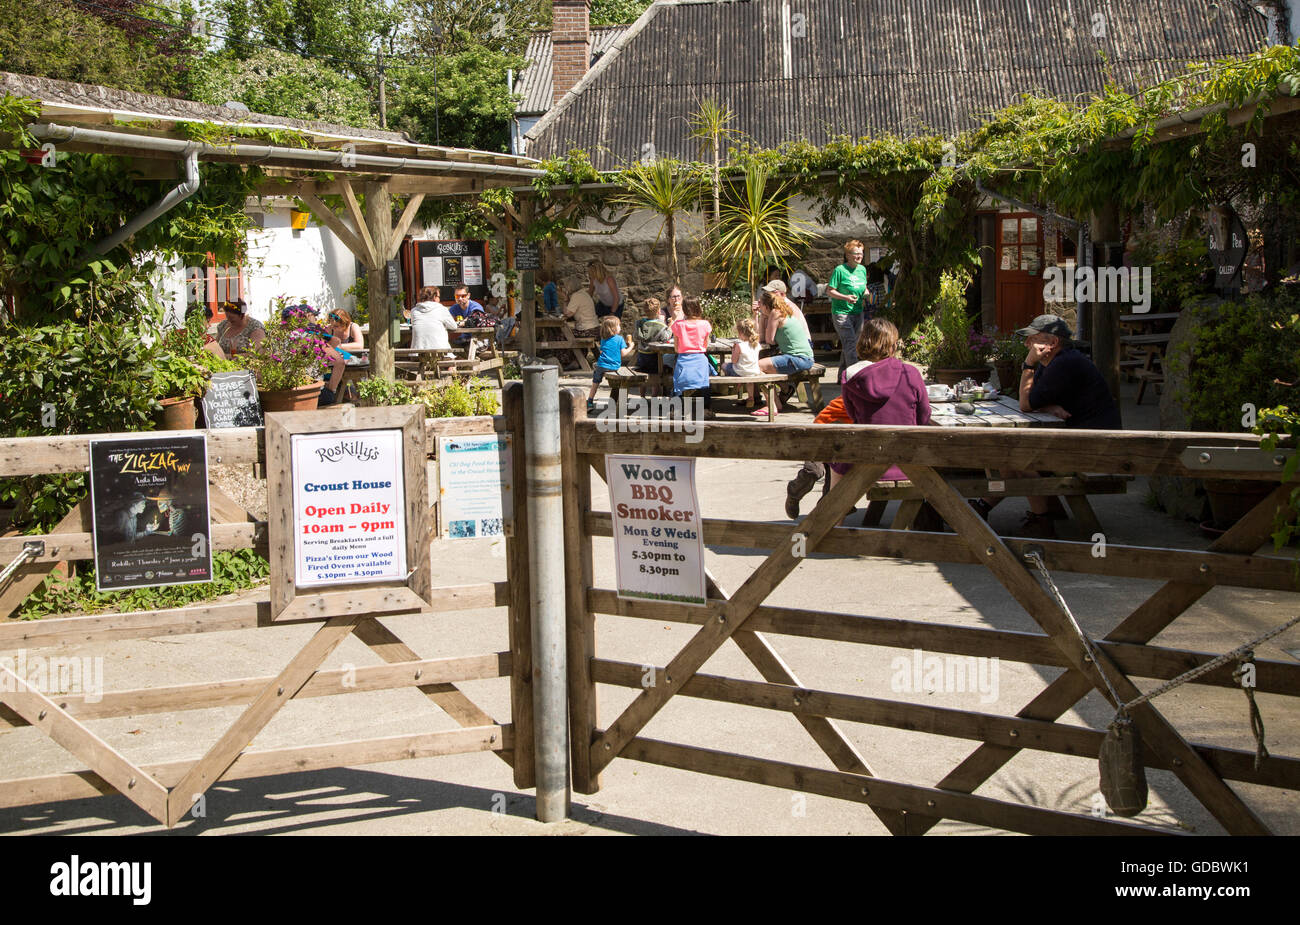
658	537
348	507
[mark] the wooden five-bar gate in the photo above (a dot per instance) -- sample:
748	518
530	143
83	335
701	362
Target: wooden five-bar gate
166	791
744	618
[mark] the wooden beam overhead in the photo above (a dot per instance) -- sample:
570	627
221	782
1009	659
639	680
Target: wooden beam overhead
331	220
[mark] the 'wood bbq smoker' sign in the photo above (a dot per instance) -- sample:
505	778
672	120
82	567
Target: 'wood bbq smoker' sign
349	512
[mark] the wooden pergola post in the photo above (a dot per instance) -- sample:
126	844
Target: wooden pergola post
379	219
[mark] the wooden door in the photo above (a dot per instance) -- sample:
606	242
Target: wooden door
1019	278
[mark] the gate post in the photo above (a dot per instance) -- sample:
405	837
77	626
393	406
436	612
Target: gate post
546	588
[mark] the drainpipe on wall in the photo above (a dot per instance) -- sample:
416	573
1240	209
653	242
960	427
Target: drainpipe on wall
1081	229
187	188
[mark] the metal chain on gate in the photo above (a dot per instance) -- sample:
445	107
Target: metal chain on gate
1243	654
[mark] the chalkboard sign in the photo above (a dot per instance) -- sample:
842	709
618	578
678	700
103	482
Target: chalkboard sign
394	277
527	257
231	401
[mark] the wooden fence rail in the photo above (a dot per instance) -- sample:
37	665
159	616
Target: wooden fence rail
165	791
1125	652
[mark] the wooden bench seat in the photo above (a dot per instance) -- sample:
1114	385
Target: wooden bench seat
1075	489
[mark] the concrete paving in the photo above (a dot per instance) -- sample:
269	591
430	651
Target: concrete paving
473	794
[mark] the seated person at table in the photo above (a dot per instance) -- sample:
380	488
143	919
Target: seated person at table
430	322
651	328
882	389
744	355
812	472
550	295
464	306
1058	380
789	332
580	309
237	333
613	351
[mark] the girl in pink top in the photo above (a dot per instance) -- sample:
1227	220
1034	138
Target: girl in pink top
691	336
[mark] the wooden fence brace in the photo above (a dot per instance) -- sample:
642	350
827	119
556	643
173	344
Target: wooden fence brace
546	589
1160	735
581	622
519	618
1141	626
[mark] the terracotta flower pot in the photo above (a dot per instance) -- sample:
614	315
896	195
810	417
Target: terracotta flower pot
302	398
954	376
1232	499
1007	378
178	414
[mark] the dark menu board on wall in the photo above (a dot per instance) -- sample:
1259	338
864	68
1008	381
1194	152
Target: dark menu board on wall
449	264
231	401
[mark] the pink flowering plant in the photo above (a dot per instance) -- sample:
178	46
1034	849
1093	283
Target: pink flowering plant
295	352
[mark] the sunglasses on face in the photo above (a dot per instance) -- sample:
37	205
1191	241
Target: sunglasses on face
335	318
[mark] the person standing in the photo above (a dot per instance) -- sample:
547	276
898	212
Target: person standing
603	290
691	335
847	290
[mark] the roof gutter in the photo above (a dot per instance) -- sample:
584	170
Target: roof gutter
306	157
187	188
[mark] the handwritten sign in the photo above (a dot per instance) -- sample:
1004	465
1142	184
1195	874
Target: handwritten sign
527	257
149	496
658	542
348	507
231	401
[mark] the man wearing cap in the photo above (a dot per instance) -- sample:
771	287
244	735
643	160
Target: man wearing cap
1059	380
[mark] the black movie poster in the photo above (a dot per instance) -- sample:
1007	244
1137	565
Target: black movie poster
150	501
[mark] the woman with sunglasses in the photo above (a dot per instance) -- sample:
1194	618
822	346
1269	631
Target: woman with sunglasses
238	332
344	335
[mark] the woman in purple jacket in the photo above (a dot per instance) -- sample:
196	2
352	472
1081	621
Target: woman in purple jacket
882	389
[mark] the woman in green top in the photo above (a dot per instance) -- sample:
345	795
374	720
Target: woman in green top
847	290
794	347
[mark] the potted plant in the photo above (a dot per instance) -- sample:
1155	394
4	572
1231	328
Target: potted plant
961	352
289	363
177	382
1008	354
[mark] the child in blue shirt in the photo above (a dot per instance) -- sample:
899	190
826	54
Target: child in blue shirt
613	351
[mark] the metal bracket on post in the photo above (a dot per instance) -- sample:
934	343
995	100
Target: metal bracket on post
32	549
1234	459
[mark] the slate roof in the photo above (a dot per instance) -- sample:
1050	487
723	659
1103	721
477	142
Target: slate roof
865	67
534	82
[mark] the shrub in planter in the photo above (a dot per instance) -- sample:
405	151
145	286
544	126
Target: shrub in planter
71	378
377	391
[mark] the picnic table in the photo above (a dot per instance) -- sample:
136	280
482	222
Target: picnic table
1152	347
565	343
1002	411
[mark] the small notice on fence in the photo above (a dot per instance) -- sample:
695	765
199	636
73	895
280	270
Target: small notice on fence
348	507
658	541
150	501
474	490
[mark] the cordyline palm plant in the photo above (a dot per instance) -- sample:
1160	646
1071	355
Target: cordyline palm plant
755	229
666	187
710	123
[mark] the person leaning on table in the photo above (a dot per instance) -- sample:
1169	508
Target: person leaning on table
1058	380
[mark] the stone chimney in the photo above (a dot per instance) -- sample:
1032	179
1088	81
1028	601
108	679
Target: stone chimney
571	44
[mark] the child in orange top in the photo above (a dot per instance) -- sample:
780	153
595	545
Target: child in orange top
813	472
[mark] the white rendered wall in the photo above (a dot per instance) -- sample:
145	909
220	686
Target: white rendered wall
311	265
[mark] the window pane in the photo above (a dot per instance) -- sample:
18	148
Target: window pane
1029	259
1010	258
1029	230
1010	231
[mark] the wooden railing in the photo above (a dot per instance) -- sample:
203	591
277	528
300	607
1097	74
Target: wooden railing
913	807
